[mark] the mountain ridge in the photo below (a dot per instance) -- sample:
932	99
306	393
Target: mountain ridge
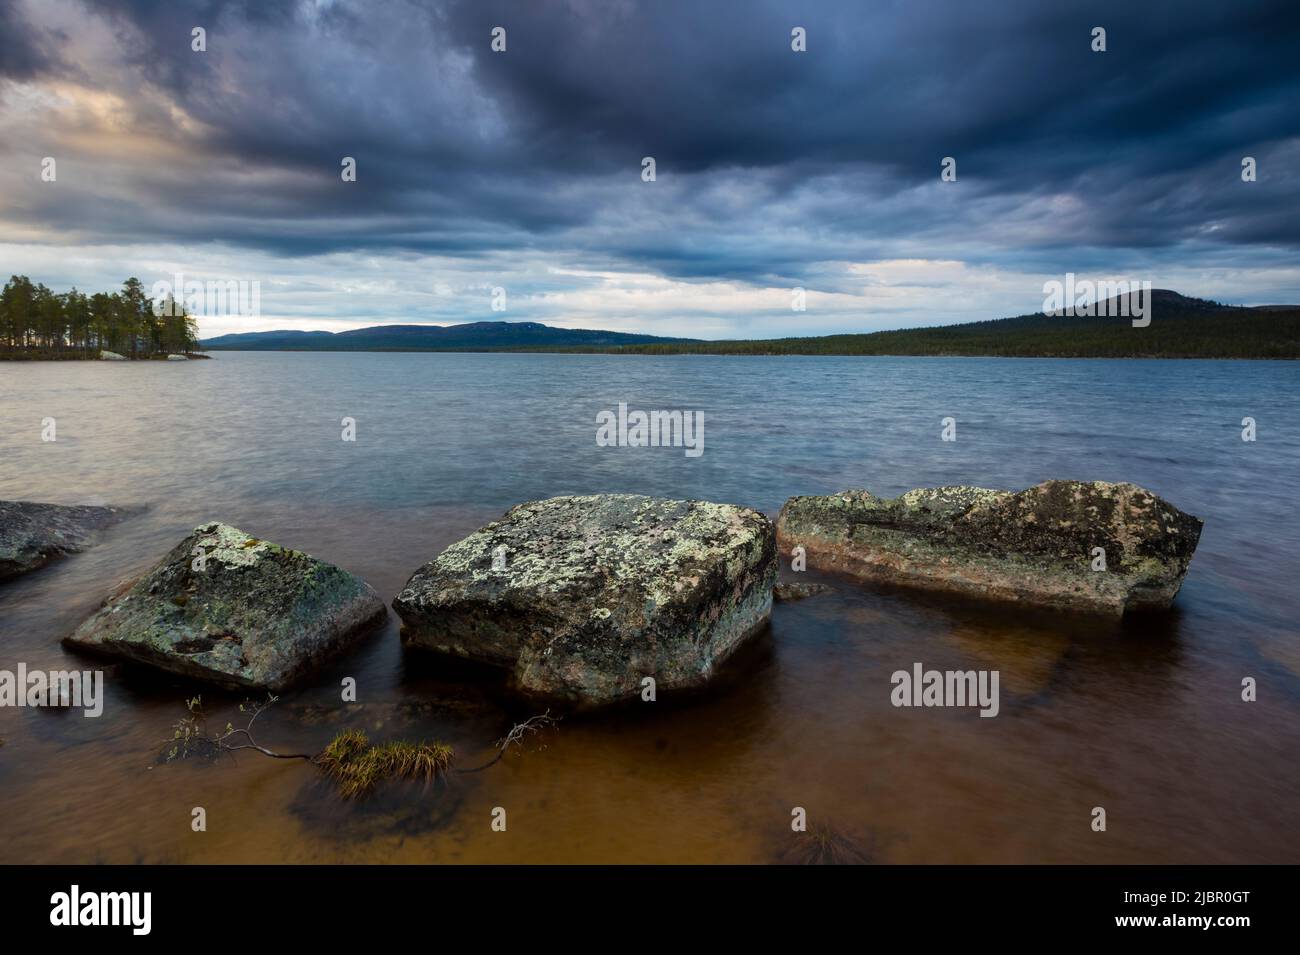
1181	327
491	335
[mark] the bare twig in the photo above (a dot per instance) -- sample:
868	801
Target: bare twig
517	734
349	759
192	733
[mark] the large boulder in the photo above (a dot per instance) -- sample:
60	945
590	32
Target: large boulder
236	611
1037	546
32	535
584	597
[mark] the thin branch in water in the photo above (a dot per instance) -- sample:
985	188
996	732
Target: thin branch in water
349	760
516	736
191	734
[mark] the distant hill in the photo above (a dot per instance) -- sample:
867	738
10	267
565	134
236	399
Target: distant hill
1181	327
474	336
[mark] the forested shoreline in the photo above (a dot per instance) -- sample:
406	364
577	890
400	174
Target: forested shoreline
1182	328
39	324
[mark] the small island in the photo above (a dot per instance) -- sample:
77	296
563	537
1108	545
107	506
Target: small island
37	324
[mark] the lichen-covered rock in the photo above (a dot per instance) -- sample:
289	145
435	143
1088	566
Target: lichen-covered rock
584	597
236	611
1038	546
32	535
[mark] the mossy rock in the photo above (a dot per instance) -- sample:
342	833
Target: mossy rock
234	610
1036	546
32	535
584	597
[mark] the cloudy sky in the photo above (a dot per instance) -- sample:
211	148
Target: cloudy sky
775	169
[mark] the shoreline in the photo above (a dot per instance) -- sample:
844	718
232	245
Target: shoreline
726	354
62	358
639	354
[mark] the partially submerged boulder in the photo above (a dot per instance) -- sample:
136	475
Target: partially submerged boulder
791	591
236	611
1037	546
32	535
583	597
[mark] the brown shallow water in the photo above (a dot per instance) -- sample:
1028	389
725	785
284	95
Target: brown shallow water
1110	715
1142	717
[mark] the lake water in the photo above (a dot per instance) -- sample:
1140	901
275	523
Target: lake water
1143	718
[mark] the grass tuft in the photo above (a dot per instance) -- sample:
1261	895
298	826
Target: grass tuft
825	845
357	766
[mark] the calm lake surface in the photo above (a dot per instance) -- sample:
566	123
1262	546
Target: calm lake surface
1144	718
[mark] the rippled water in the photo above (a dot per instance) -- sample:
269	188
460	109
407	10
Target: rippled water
1143	718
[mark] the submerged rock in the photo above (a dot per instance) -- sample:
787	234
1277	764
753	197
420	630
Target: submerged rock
32	535
1038	546
236	611
787	592
584	597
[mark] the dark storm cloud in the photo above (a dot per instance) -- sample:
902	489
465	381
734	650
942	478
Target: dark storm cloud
769	161
26	50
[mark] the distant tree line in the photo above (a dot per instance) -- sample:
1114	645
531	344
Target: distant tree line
36	322
1178	330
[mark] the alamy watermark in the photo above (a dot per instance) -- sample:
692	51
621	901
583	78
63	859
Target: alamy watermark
211	299
75	907
922	687
1098	299
82	689
651	429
